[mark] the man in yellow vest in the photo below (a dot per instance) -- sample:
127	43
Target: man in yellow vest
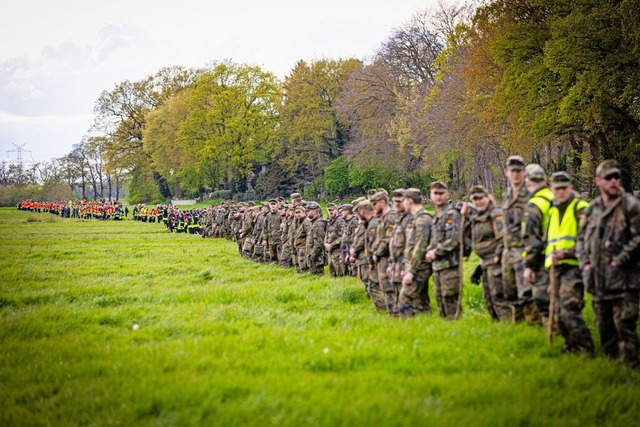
562	233
533	296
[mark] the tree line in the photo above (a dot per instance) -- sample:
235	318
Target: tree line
448	95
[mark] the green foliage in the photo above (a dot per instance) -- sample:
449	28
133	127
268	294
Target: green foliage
143	189
225	341
336	176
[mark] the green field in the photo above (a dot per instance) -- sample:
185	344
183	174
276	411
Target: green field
224	341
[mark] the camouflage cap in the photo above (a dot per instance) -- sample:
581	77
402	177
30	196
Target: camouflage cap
347	207
241	204
379	195
515	162
560	179
357	201
280	199
438	187
413	193
251	203
299	208
365	205
313	206
297	196
607	167
477	191
288	206
371	192
397	194
273	201
331	206
534	172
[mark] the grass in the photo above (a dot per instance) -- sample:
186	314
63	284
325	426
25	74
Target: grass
224	341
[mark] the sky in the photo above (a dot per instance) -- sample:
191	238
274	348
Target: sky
56	57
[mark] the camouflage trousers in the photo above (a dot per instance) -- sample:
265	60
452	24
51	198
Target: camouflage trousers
617	319
446	285
336	267
316	265
498	307
516	291
273	250
247	248
388	286
285	257
539	291
369	277
570	291
259	252
301	260
414	297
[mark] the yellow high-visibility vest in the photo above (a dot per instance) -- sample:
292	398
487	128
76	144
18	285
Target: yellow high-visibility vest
562	235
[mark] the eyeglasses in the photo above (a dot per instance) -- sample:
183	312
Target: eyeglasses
614	175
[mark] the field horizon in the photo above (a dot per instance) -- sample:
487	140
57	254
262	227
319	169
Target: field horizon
112	323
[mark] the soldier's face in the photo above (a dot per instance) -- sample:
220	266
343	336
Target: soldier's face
407	203
562	194
481	203
332	213
301	214
440	198
514	175
609	184
398	205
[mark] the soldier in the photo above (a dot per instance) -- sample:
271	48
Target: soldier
260	233
533	297
608	248
398	241
333	241
515	201
247	231
414	295
357	253
444	250
562	232
369	225
380	249
348	234
315	239
486	237
286	230
300	239
274	231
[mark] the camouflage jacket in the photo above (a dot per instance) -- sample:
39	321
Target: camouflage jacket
348	234
360	242
486	234
315	240
247	225
609	234
386	222
398	239
370	237
418	234
445	238
335	230
274	232
260	228
513	214
301	232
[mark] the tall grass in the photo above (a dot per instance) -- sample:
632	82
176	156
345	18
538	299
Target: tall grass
224	341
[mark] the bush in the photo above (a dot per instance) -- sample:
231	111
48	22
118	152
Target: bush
336	177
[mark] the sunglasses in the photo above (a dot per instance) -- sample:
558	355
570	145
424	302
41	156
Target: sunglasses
614	175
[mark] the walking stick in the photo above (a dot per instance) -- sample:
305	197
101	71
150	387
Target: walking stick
552	302
460	278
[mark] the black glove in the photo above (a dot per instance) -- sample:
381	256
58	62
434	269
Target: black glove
477	275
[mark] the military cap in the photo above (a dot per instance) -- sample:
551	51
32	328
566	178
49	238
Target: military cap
357	201
331	206
412	193
534	172
241	204
273	201
438	186
366	205
299	208
560	179
607	167
379	195
279	199
296	196
347	207
515	162
371	192
313	205
477	191
251	203
397	194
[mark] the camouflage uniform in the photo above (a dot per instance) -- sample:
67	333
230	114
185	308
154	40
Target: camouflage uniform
300	244
347	241
445	233
285	256
274	235
380	250
486	237
612	234
373	286
246	234
535	224
414	297
513	285
260	237
396	248
315	246
335	230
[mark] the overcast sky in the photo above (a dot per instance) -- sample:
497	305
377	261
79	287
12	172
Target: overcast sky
57	56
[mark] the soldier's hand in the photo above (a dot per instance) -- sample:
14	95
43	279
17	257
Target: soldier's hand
431	255
327	247
465	210
557	256
407	279
529	275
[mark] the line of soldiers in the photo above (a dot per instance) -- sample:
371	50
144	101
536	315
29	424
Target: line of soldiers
81	209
